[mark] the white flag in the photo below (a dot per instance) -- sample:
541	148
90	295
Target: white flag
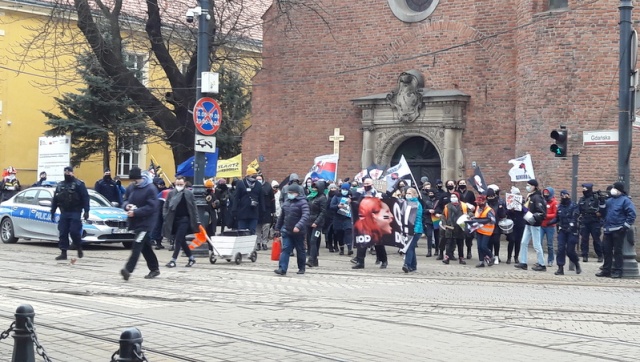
397	172
522	169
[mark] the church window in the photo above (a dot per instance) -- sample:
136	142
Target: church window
558	4
412	11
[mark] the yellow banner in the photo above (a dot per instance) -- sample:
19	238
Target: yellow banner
254	164
231	167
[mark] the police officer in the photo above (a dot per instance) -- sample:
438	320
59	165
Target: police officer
108	188
589	207
71	197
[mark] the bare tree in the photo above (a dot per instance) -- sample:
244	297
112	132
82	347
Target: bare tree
111	28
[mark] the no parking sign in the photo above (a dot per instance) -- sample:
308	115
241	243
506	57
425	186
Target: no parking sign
207	116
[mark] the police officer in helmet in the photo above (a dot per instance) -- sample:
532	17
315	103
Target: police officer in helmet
71	197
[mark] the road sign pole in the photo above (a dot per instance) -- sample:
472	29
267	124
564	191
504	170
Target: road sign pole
202	66
630	265
199	157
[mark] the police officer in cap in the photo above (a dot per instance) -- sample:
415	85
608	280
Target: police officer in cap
590	222
71	197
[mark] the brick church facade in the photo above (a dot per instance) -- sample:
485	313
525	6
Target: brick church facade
493	79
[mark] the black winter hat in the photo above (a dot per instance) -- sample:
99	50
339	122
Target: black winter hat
533	182
68	168
619	186
135	173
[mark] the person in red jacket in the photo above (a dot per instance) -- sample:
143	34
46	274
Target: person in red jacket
549	223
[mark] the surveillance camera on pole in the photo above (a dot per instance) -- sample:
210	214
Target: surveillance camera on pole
197	11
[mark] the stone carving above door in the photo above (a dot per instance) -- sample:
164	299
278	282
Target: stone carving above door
406	99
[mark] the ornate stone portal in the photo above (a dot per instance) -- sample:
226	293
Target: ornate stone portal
436	115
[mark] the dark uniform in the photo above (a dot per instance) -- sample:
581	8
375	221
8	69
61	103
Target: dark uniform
71	197
590	224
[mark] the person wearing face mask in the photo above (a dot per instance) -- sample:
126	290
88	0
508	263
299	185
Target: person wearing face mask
431	224
590	222
141	207
435	220
342	223
515	237
413	202
248	201
307	185
293	179
443	200
317	210
619	214
223	195
466	195
548	226
266	214
567	222
536	212
500	210
43	178
180	218
292	225
453	233
107	187
486	217
71	196
329	236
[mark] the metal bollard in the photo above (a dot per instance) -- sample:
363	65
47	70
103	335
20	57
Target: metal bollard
131	346
23	349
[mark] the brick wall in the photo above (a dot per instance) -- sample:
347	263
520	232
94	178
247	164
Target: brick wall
556	68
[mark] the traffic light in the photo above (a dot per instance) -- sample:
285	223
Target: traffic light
559	148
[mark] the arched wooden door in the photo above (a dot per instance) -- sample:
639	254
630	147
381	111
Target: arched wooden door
422	157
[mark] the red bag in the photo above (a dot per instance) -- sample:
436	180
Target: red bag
276	248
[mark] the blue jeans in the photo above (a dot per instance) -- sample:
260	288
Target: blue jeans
483	246
70	224
566	246
531	233
248	224
289	241
410	259
549	232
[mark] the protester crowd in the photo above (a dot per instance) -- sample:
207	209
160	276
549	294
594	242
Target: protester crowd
354	219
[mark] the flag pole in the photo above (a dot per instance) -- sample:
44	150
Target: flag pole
163	173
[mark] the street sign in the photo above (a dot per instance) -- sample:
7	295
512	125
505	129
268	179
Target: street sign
210	82
205	144
207	116
600	138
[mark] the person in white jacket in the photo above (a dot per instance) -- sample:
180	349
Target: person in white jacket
276	191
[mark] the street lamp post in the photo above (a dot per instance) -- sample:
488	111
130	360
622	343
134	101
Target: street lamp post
625	112
199	157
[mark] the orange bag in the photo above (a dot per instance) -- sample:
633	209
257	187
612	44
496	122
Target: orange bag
276	248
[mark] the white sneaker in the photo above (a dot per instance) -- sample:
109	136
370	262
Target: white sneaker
496	260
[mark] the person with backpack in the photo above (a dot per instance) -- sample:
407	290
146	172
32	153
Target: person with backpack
71	196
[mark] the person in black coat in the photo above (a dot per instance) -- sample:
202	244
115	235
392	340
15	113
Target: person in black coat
469	197
223	195
329	237
265	217
317	211
248	201
107	187
141	207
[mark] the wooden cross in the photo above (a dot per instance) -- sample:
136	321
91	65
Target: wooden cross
336	139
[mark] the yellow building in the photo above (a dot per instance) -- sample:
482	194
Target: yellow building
28	85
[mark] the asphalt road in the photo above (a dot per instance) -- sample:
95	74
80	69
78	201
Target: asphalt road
229	312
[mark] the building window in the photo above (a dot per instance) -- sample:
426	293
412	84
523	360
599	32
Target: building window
137	64
558	4
128	155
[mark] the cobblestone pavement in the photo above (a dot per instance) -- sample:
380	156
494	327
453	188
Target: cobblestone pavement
229	312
